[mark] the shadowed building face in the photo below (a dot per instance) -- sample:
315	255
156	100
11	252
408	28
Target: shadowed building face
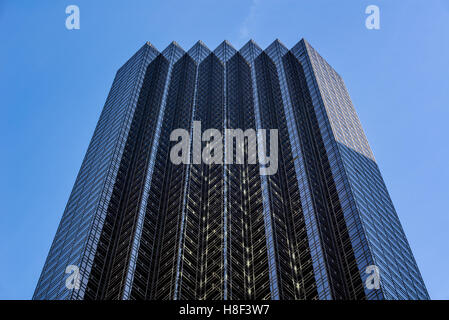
138	226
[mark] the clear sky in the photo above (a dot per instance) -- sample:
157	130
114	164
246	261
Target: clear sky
54	82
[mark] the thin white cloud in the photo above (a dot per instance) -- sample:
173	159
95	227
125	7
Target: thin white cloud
245	26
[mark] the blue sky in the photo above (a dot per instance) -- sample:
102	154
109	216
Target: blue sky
54	82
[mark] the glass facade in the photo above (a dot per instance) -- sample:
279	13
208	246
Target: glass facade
141	227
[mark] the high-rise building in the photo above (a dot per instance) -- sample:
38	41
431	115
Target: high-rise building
138	226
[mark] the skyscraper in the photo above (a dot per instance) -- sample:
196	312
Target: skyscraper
138	226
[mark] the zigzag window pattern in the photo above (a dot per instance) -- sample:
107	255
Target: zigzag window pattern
140	227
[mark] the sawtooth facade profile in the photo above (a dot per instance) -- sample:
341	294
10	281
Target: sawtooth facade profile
138	226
